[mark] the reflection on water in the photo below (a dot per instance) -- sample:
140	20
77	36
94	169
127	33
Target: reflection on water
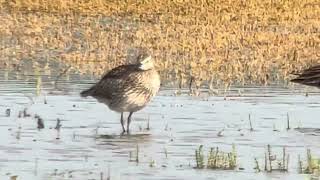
90	142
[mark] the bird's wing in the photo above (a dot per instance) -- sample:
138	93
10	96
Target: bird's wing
310	77
120	72
115	80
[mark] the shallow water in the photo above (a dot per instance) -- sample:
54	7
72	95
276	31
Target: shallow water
90	143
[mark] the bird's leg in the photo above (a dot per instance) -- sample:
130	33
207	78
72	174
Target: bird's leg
122	123
128	122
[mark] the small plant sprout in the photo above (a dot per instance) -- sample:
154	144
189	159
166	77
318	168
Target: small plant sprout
152	163
74	136
18	135
8	112
300	164
45	100
265	162
257	167
148	123
25	113
166	152
130	156
137	154
288	122
271	159
58	127
250	123
40	123
312	165
199	157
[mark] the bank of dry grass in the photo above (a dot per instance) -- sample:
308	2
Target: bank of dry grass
217	42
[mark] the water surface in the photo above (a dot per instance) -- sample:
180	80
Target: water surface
90	145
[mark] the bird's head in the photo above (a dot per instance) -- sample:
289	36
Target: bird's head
145	62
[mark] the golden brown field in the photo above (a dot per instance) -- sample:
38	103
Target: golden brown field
218	42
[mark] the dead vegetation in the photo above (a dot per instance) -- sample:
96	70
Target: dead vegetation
216	42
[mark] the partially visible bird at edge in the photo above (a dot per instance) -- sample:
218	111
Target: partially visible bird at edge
127	88
309	77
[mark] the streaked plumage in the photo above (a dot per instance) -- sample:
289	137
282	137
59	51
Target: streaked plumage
310	77
127	88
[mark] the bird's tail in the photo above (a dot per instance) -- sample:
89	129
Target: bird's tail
309	77
87	92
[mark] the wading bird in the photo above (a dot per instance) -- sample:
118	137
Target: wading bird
309	77
127	88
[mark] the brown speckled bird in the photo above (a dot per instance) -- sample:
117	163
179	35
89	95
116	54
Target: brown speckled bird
309	77
127	88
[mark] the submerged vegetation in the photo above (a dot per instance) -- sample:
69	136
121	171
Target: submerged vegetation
216	159
212	42
311	166
272	163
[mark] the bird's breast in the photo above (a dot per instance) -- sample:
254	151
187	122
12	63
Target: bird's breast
153	81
